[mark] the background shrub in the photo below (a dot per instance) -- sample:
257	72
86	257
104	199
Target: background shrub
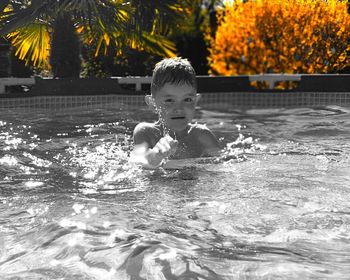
280	36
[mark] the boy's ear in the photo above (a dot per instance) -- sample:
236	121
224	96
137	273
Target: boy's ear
198	97
150	102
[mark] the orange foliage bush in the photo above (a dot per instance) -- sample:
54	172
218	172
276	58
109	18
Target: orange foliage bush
281	36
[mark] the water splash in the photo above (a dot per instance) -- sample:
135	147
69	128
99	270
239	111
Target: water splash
238	150
106	166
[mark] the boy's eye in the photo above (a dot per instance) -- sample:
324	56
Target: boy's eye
168	101
188	100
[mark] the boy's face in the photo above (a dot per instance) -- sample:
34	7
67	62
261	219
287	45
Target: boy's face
176	105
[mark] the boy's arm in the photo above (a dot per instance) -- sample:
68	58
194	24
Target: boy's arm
143	153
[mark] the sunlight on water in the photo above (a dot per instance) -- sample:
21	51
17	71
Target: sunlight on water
274	205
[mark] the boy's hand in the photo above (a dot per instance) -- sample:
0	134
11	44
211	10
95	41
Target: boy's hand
165	147
152	158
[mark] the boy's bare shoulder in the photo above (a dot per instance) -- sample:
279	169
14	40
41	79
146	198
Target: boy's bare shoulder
146	132
144	127
199	129
204	135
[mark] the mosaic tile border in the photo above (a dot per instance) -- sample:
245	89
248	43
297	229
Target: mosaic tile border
222	100
61	103
275	99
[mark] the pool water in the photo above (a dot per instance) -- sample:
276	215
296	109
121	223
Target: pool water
274	205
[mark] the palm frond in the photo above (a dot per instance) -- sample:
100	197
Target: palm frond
159	45
3	5
21	15
32	44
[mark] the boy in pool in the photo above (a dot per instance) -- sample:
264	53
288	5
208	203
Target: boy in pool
174	98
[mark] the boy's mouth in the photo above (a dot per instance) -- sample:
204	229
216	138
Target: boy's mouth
177	118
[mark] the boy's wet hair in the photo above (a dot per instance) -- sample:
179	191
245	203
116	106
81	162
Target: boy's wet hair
176	71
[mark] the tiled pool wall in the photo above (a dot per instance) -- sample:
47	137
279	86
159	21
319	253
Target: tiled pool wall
221	100
217	93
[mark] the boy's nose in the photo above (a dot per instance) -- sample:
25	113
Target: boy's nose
178	107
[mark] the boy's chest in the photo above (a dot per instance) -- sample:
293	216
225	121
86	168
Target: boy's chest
188	148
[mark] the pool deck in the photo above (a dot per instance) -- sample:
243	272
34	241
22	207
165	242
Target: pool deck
217	92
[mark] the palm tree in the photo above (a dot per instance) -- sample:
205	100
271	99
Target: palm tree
136	24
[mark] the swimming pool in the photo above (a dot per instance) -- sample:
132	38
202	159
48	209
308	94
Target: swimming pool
275	205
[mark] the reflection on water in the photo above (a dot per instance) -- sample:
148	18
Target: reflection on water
275	204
